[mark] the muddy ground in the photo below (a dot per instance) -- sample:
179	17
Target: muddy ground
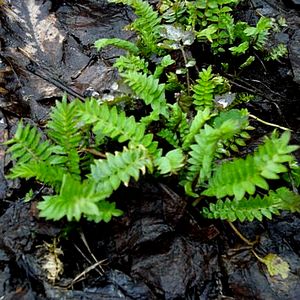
160	248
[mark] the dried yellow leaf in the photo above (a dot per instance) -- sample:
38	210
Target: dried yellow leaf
276	265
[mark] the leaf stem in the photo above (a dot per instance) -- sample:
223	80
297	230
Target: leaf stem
95	152
257	256
248	242
268	123
187	70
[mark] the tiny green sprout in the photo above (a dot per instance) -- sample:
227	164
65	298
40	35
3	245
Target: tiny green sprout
29	195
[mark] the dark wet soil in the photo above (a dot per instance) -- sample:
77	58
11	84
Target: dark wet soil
160	248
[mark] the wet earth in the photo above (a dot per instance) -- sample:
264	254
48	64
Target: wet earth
160	248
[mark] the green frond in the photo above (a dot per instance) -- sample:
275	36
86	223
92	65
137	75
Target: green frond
240	49
205	88
164	63
44	172
259	33
63	129
203	152
242	98
294	175
238	140
173	83
119	43
109	173
262	31
245	209
271	156
255	207
241	176
148	89
148	143
147	24
232	114
107	210
107	121
172	11
74	200
63	125
176	126
170	136
198	122
72	163
131	63
288	200
27	146
171	163
277	52
148	119
177	117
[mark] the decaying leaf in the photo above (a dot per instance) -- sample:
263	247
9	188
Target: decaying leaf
276	265
50	260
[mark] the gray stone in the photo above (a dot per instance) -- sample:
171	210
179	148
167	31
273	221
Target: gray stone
294	51
292	3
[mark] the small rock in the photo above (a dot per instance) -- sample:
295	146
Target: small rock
294	51
292	3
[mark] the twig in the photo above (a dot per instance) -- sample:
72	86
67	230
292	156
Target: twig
34	68
257	256
87	259
262	63
94	151
266	86
241	236
170	192
187	70
268	123
88	248
87	270
197	201
245	88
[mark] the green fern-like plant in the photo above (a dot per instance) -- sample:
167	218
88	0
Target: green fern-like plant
123	44
107	174
171	163
176	126
255	207
205	88
34	157
278	52
241	176
147	25
48	160
197	124
27	145
239	139
259	33
131	63
220	32
64	131
77	199
172	10
164	63
108	122
42	171
203	152
148	89
57	161
77	156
